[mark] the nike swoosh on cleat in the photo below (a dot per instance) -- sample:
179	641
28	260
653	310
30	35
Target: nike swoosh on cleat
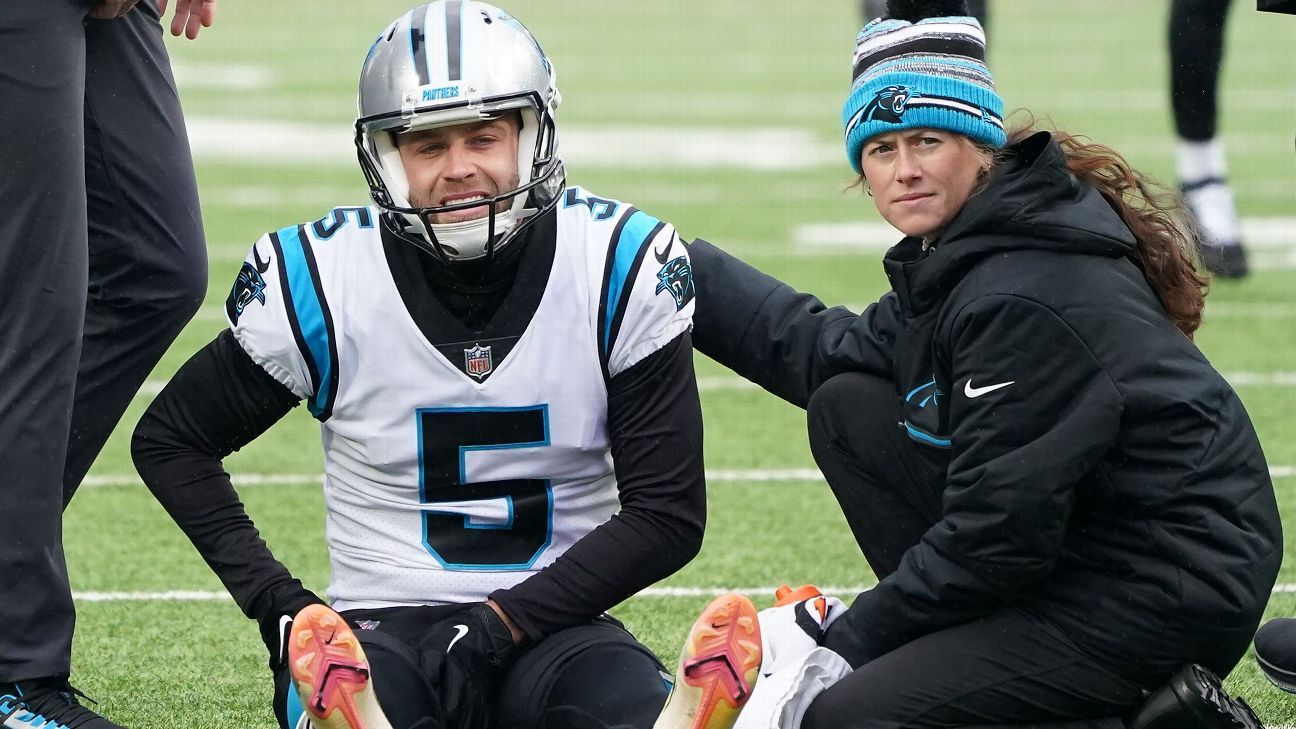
971	391
463	630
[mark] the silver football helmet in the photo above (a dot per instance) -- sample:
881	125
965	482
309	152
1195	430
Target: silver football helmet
455	62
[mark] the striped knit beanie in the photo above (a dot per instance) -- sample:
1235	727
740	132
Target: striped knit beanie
912	71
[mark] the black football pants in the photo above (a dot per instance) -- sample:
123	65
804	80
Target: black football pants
1196	31
1008	669
102	262
591	676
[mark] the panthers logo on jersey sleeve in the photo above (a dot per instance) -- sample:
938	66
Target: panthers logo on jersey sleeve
648	290
279	311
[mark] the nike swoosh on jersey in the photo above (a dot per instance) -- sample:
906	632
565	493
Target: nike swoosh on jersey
256	258
971	391
462	630
662	254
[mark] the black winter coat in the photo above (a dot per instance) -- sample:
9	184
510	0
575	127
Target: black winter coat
1115	486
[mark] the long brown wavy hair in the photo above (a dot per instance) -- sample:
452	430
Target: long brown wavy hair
1167	246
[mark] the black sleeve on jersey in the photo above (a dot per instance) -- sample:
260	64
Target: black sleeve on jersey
655	426
218	402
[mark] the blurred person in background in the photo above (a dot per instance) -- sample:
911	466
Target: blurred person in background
1067	507
1196	40
103	260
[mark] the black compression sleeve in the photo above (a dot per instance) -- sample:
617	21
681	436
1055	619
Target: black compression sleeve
219	401
655	426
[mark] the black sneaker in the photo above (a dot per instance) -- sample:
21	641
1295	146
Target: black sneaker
1211	211
1275	650
1224	261
1193	698
47	704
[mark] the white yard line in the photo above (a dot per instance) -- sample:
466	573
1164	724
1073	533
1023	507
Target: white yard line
726	383
192	76
266	141
1271	234
651	592
612	147
714	475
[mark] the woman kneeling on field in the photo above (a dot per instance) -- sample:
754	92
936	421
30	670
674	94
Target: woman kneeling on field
1065	504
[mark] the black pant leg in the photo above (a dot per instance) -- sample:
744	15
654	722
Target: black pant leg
148	263
612	685
589	676
888	486
1196	51
42	300
1010	669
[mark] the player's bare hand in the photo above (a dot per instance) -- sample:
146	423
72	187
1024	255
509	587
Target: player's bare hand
191	16
109	9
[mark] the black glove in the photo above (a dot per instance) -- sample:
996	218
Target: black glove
480	640
275	620
466	656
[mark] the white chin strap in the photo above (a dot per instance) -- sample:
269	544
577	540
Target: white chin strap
466	240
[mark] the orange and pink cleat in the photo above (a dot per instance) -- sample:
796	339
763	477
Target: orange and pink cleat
331	673
718	667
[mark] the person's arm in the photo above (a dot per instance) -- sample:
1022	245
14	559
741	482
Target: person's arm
219	401
785	341
1032	412
655	427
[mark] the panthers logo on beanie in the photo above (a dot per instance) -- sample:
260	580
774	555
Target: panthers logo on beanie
889	104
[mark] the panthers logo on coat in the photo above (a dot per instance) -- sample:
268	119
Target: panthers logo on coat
676	277
889	104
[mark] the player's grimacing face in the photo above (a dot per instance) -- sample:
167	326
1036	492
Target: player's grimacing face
920	178
461	163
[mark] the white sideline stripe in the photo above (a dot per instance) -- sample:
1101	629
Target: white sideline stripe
618	147
724	383
1277	233
651	592
715	475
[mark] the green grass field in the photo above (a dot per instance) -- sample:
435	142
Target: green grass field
722	117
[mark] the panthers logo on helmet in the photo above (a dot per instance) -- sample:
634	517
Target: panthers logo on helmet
248	287
677	278
889	104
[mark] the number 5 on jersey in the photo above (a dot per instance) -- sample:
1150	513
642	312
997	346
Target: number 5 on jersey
489	525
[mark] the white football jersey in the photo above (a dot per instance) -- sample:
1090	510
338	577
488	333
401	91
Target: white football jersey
452	469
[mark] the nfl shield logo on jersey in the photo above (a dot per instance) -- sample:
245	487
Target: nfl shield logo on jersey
477	361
